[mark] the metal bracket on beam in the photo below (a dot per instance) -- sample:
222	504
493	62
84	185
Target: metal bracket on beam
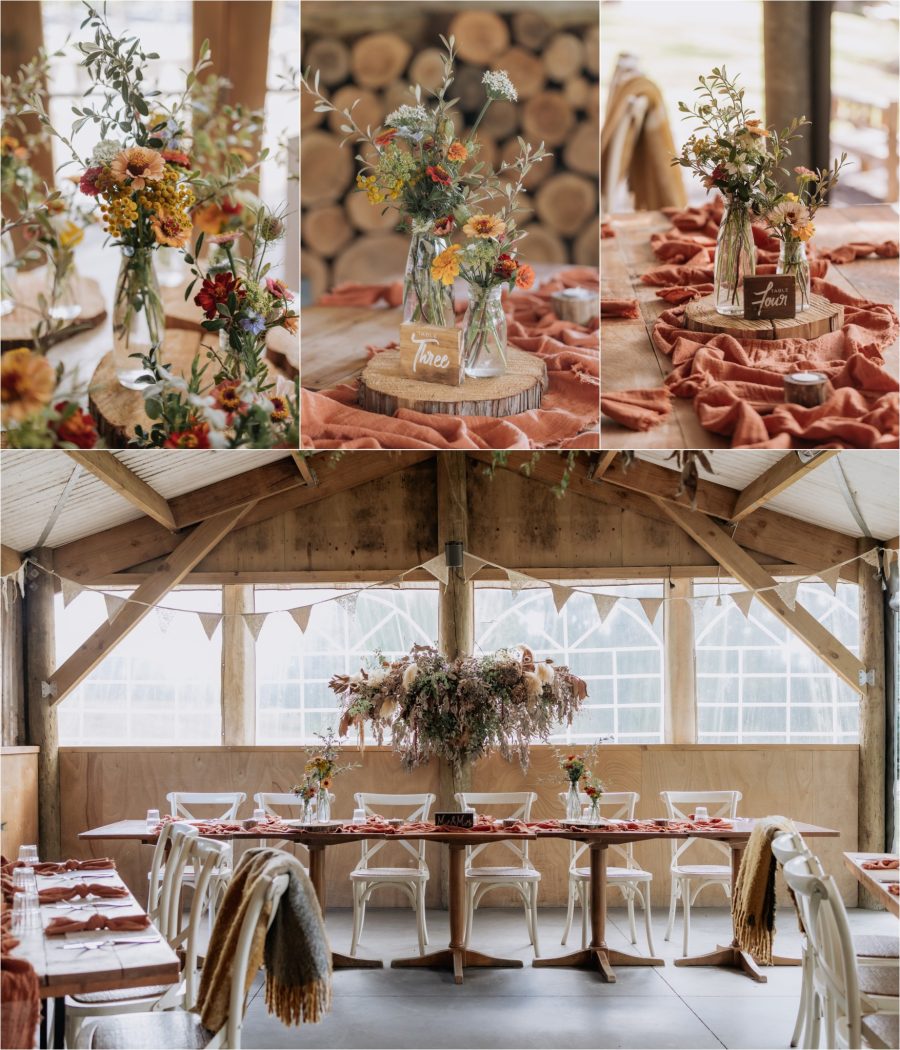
48	689
866	677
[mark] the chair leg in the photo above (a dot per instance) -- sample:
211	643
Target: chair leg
424	917
357	927
583	896
815	1024
72	1026
470	911
525	894
672	902
570	910
420	915
803	1009
629	894
686	905
648	922
534	920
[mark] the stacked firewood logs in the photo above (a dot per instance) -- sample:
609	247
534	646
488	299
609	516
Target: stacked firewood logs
553	62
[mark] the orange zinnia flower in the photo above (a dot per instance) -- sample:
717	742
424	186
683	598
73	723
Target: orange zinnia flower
26	383
169	230
445	267
457	152
385	137
524	277
484	226
138	164
438	174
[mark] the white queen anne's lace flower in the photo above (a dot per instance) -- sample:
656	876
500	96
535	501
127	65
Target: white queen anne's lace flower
407	118
105	151
498	86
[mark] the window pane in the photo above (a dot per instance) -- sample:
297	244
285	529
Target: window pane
756	681
621	660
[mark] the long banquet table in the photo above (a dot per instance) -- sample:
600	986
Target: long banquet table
598	956
875	880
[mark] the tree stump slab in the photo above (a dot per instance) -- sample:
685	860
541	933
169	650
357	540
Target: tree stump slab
384	388
18	324
180	313
118	411
821	317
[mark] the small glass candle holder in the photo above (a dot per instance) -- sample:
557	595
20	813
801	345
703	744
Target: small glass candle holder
259	816
152	819
701	813
28	855
359	816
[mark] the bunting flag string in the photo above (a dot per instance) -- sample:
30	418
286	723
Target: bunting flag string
114	603
301	617
438	568
253	622
605	604
651	607
70	590
209	622
743	600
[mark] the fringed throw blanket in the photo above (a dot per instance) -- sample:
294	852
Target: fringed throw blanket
295	950
753	896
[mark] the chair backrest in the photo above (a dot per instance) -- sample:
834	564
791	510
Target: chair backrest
180	800
157	868
177	835
614	805
416	808
520	803
788	845
268	800
829	941
680	805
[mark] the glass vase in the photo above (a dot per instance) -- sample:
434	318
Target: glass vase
323	807
425	300
170	267
139	320
484	333
792	260
595	810
735	258
573	802
63	302
7	295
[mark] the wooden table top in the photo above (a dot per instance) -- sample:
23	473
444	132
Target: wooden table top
629	359
67	971
875	881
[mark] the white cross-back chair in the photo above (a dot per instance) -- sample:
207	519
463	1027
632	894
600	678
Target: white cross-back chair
366	878
689	880
182	804
628	877
181	1028
181	931
521	877
842	993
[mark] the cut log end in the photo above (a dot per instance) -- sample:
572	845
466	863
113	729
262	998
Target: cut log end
821	317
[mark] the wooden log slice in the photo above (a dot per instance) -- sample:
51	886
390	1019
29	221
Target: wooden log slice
547	118
582	151
543	245
821	317
530	29
331	57
379	58
397	94
309	118
565	202
592	50
427	69
384	389
501	120
326	230
369	110
315	276
180	312
467	87
368	217
587	244
17	326
327	169
577	91
480	36
563	56
539	172
372	259
525	70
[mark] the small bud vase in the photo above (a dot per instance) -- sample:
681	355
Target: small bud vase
323	807
792	260
63	302
573	802
139	320
735	258
425	300
484	333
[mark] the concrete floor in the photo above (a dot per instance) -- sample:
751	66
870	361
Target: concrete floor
647	1007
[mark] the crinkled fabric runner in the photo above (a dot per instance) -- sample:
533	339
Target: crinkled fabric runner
737	385
570	408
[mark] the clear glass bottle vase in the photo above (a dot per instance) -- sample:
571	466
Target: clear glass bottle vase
573	802
139	319
484	333
735	258
792	260
425	300
323	806
7	261
62	301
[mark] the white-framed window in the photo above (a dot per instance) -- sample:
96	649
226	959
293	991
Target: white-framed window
758	683
293	701
621	660
160	685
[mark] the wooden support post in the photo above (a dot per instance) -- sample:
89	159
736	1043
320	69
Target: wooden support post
872	717
40	659
12	653
238	668
681	682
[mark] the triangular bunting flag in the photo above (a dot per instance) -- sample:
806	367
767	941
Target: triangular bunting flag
301	617
348	603
650	607
700	603
517	580
743	600
254	622
165	617
787	592
560	595
209	622
471	565
890	556
437	566
831	577
871	558
70	590
605	604
113	605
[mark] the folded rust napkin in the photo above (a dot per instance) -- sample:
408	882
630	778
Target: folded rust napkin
83	889
120	924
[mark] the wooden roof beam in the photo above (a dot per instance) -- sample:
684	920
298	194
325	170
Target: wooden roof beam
191	550
781	475
602	465
738	563
306	471
115	475
10	560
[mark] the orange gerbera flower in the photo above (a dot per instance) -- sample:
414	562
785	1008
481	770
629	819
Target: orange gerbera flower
209	218
754	127
169	230
484	226
445	267
26	383
524	277
457	153
385	137
138	164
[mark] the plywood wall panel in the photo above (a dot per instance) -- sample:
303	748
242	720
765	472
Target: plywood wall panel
18	788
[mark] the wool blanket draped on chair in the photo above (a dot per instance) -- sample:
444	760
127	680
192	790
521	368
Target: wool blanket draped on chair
568	414
737	385
753	897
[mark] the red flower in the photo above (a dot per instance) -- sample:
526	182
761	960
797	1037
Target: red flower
175	156
438	174
231	207
88	183
77	428
505	266
216	291
196	437
385	137
444	226
524	277
279	409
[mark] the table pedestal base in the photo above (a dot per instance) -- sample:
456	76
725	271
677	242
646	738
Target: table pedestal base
456	959
350	962
732	957
600	958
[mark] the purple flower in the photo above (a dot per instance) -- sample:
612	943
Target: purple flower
253	323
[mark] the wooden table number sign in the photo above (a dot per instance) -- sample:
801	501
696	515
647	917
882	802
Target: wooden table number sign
768	298
431	354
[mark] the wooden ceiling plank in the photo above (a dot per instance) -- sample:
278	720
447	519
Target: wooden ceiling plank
738	563
780	476
134	543
190	550
306	472
603	464
249	487
121	479
10	560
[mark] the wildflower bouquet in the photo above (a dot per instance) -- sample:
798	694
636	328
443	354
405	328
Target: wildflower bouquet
318	772
421	167
734	153
573	766
35	411
789	218
593	788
